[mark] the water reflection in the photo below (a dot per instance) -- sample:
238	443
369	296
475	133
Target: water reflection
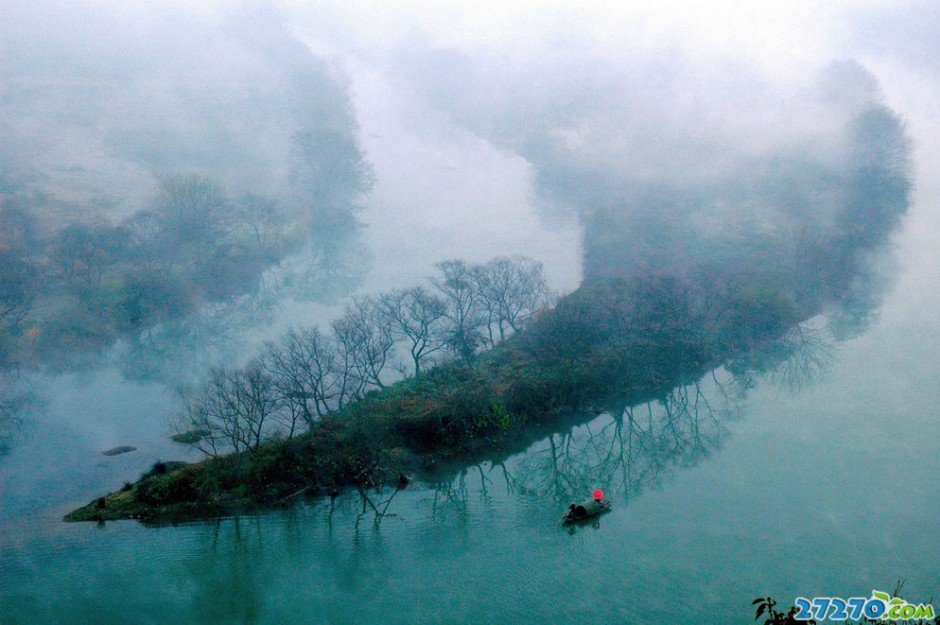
402	551
629	450
491	520
16	400
227	584
796	360
623	451
634	447
481	545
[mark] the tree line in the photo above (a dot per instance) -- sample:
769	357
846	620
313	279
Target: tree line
314	372
87	283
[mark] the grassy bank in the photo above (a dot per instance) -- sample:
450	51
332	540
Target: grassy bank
636	339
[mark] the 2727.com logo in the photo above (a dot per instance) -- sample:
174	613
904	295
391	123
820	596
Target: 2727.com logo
880	606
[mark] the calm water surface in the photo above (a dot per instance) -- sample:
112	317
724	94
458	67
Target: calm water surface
832	490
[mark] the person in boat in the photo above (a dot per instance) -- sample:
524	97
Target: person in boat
594	507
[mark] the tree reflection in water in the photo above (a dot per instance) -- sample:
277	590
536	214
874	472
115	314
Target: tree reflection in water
632	447
364	542
627	450
796	360
16	399
228	585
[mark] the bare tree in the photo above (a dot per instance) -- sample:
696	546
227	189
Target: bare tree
144	233
304	371
328	168
265	220
416	316
233	410
511	290
463	319
364	340
201	420
83	253
18	287
349	383
194	216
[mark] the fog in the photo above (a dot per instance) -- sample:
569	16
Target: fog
102	100
160	166
642	135
337	150
667	158
348	149
661	124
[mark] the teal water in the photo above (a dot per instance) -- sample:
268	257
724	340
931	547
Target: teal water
829	490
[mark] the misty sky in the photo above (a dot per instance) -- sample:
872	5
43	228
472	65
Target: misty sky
624	85
491	125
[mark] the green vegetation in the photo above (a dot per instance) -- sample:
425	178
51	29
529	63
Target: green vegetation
638	338
81	287
319	410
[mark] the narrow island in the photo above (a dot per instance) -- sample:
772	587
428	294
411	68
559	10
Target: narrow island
629	339
631	331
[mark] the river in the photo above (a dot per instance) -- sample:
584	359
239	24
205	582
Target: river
830	489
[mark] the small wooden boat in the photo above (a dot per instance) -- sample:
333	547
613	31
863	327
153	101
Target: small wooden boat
577	512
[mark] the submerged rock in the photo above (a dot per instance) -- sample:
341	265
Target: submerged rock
116	451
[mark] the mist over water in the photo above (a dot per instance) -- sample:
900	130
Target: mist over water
101	101
797	146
